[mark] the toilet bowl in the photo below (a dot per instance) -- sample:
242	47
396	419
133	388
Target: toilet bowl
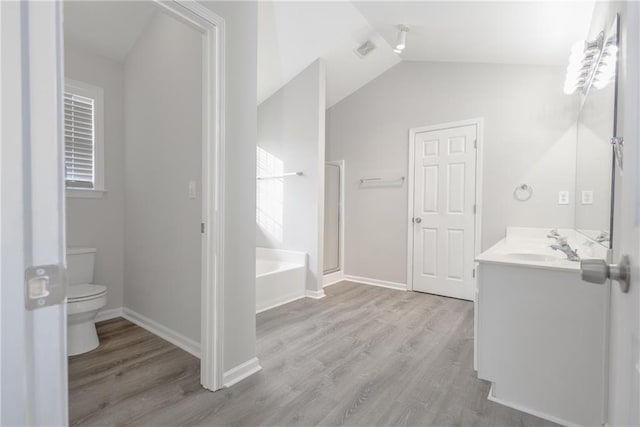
84	300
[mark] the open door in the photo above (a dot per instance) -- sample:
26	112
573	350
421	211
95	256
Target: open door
32	292
624	346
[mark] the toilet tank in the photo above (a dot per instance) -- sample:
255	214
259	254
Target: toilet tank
80	263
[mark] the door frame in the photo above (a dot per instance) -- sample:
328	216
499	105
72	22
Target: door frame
337	274
33	343
33	351
212	26
479	123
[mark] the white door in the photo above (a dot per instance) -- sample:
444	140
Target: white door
443	211
624	341
33	340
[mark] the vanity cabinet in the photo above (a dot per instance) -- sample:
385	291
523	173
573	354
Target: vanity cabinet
541	340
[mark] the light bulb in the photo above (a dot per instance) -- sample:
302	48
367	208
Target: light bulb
402	38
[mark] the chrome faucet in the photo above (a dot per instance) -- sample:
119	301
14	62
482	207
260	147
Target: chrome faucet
602	237
564	247
553	234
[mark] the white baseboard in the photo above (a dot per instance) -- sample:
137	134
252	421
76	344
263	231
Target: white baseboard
109	314
376	282
332	278
314	294
240	372
179	340
278	302
521	408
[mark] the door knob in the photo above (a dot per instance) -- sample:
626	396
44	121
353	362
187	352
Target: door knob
417	220
598	271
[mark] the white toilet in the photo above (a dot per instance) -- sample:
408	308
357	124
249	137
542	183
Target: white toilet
84	300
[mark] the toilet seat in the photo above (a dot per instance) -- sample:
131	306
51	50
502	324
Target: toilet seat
84	292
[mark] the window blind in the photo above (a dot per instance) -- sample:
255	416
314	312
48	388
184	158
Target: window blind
79	136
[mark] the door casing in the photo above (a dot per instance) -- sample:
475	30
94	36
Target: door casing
212	27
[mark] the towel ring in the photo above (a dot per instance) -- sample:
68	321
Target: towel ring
523	192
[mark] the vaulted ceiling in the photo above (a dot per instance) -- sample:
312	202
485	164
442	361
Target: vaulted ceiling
294	34
107	28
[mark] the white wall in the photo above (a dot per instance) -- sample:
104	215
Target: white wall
529	137
163	109
241	26
99	223
291	126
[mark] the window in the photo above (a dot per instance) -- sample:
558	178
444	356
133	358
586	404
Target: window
83	138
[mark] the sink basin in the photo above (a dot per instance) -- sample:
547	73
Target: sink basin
531	256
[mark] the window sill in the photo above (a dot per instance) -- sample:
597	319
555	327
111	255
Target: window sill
79	193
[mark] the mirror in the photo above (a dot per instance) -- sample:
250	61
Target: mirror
594	154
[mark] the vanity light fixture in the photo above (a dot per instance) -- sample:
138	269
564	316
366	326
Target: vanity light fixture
402	38
591	63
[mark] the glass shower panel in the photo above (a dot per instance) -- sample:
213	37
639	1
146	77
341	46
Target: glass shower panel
331	218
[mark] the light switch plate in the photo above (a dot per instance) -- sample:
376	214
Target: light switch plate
192	189
563	197
587	197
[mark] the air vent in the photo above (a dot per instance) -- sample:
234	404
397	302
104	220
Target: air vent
365	48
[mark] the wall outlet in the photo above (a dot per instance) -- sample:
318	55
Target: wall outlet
192	189
587	197
563	197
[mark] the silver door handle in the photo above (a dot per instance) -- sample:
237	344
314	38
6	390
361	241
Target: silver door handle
598	271
417	220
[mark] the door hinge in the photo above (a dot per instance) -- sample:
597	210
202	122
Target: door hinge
475	143
474	273
474	209
202	227
618	150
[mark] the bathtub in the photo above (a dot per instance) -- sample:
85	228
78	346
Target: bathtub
280	277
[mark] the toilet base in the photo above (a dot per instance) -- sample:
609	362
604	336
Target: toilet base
81	333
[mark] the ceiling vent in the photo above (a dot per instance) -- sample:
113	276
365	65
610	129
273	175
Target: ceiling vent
365	48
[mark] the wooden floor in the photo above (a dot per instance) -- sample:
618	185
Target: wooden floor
361	356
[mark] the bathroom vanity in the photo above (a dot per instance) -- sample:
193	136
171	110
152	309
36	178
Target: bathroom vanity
541	330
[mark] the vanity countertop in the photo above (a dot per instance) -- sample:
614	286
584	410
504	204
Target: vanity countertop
530	247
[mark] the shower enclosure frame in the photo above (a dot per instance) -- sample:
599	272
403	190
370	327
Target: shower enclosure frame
337	275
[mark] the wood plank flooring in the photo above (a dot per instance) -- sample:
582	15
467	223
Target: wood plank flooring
362	356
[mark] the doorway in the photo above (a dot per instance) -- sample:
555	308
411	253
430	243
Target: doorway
172	160
444	195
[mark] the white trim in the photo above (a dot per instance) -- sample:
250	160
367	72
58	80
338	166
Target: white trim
109	314
314	294
213	171
175	338
84	193
278	302
318	268
332	278
479	123
341	209
375	282
33	346
527	410
242	371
